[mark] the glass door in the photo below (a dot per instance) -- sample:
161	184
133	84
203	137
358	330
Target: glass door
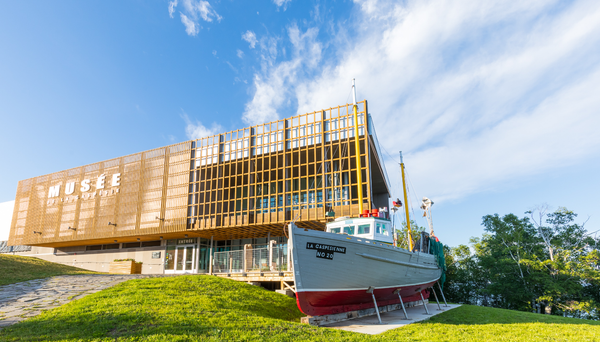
180	259
188	266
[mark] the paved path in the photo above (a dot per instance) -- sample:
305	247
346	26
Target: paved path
27	299
391	320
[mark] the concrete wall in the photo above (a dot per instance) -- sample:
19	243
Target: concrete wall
99	260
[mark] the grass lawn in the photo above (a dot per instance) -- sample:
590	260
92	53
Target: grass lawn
15	268
198	308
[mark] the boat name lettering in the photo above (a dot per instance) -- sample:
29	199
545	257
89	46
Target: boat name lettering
325	248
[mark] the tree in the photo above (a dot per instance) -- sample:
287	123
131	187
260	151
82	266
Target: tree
403	233
571	260
505	253
544	263
464	278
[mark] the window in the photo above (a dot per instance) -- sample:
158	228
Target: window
333	230
151	243
381	229
364	229
349	230
111	246
131	245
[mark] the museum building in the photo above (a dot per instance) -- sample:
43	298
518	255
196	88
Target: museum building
214	205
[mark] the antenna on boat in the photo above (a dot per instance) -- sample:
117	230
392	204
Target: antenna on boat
357	149
410	242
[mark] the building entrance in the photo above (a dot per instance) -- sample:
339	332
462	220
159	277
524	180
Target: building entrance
180	259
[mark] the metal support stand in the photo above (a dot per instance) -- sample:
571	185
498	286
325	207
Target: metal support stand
424	304
436	299
401	303
370	290
442	292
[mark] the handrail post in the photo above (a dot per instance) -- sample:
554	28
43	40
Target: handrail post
210	259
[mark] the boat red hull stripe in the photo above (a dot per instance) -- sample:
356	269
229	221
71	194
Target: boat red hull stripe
318	303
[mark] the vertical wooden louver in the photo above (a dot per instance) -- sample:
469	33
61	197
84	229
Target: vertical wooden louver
242	183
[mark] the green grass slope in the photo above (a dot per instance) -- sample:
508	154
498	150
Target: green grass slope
476	323
205	308
15	268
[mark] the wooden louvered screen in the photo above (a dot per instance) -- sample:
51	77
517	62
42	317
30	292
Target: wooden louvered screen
238	184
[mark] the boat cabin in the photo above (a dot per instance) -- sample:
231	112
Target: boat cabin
370	228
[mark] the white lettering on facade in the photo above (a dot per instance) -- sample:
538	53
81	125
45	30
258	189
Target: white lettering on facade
69	188
116	179
68	199
54	191
85	185
100	181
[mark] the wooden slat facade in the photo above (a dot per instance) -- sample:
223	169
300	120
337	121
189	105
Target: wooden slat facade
239	184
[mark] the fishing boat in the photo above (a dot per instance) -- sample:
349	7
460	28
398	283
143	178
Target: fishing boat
356	264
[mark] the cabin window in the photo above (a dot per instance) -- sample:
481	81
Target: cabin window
349	230
364	229
336	230
381	229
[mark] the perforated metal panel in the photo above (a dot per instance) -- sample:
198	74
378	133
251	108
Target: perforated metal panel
133	203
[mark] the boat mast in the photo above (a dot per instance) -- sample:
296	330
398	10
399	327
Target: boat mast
410	242
357	149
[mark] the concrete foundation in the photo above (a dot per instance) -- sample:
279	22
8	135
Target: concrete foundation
287	292
99	261
391	320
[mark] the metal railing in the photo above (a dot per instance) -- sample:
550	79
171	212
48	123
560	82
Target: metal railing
271	259
5	248
228	262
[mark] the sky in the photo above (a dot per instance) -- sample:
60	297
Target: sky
491	102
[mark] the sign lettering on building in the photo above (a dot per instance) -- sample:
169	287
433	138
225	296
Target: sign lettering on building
85	187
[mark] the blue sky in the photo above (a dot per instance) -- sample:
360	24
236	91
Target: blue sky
492	103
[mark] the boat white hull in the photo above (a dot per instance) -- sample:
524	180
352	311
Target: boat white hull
332	272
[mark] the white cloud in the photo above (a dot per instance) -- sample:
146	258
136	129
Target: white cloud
196	130
281	3
250	37
172	5
274	85
202	9
193	11
475	94
240	53
6	212
190	26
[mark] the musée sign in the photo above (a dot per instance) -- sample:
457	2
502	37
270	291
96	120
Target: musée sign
86	186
